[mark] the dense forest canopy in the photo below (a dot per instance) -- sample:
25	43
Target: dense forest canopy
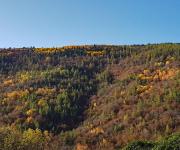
90	97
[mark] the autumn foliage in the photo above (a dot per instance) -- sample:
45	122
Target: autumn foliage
90	97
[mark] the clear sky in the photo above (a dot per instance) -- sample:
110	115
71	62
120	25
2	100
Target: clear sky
48	23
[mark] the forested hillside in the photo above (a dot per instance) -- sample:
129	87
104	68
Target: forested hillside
90	97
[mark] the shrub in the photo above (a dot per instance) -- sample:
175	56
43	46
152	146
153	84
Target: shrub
68	138
139	145
118	128
172	142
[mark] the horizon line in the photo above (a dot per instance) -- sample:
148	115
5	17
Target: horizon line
127	44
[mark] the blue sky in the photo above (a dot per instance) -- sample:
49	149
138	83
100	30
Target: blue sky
48	23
